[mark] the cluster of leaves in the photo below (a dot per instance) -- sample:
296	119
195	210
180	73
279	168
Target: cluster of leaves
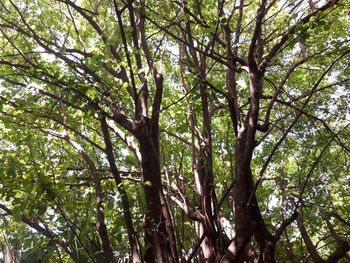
58	77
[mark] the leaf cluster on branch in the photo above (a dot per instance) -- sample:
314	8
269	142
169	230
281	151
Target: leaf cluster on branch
174	131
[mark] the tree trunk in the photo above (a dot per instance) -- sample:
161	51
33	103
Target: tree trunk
248	219
159	235
7	254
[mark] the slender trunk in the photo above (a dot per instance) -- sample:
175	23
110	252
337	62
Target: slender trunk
7	254
212	244
135	254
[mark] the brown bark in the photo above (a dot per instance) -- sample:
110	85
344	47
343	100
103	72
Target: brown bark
212	246
208	198
159	237
341	249
135	254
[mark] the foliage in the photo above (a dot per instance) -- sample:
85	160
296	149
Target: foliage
140	130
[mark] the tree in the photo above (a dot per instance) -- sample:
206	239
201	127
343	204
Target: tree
176	126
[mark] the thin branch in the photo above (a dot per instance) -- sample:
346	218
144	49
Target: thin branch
194	251
269	158
33	224
291	31
317	161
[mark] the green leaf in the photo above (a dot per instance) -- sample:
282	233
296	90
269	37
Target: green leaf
17	213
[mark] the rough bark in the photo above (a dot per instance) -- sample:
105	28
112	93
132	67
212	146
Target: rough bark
159	235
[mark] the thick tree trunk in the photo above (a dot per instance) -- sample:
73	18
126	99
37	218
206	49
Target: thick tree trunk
248	219
159	235
244	225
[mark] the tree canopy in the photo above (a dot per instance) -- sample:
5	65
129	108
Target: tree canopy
175	131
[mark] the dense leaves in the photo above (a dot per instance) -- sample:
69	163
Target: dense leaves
174	131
